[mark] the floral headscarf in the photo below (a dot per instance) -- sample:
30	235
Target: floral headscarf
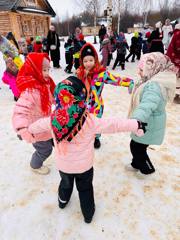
70	113
153	63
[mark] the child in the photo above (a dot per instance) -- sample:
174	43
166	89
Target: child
38	45
9	77
78	44
69	55
36	89
121	46
74	130
23	47
133	47
106	49
29	42
148	104
94	75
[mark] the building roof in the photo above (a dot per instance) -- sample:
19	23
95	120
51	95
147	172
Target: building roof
14	5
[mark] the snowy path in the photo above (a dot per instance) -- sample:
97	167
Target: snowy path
126	207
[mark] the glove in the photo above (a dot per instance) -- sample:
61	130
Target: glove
26	135
142	125
141	129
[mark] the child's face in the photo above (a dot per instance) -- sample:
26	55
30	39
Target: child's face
45	69
88	62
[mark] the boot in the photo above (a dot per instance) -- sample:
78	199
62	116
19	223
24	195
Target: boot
89	219
177	99
147	167
62	204
97	143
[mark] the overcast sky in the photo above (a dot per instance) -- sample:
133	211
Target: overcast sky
64	7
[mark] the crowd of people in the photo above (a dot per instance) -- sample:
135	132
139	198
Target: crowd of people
75	125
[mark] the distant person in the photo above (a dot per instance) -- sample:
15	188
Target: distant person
53	44
167	31
102	33
69	55
37	47
174	53
133	47
29	42
121	47
155	40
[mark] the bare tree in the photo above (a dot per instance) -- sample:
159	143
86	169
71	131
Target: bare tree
91	6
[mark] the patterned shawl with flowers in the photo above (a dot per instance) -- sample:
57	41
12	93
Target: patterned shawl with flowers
70	113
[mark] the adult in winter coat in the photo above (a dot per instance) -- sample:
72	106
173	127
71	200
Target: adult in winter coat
155	39
173	53
167	30
53	46
102	33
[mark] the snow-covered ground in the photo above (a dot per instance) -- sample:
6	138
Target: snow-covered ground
126	207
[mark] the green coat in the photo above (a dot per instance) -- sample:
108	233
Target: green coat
151	110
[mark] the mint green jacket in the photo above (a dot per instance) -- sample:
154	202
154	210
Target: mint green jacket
151	110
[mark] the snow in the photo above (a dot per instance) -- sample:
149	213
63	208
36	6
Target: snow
126	207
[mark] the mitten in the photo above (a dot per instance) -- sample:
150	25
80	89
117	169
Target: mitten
141	129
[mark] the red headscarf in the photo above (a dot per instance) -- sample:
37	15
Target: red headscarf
98	68
30	77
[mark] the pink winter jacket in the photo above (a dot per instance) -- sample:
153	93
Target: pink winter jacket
11	81
27	111
77	156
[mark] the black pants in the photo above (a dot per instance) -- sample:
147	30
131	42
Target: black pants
55	57
121	60
76	63
84	187
140	158
110	56
131	54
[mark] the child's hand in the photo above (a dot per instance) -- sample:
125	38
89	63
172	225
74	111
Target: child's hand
141	129
26	135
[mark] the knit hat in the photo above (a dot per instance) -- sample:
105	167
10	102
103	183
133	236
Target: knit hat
81	37
87	51
70	113
38	39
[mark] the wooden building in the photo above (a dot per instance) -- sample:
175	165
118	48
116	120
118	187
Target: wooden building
25	18
89	30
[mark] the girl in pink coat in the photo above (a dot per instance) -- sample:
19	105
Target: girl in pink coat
35	101
9	77
74	129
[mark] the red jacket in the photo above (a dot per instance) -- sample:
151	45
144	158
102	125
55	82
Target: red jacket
37	47
173	51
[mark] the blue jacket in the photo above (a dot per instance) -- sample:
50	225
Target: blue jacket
151	110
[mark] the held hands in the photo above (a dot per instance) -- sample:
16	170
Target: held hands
141	129
24	134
